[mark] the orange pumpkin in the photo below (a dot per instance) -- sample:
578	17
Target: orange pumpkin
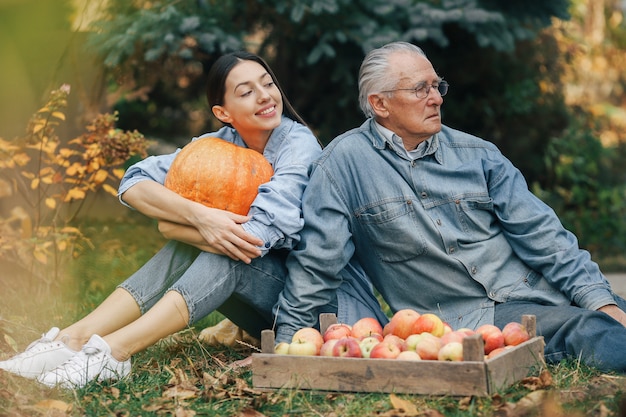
218	174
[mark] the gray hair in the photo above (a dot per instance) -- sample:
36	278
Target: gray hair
374	72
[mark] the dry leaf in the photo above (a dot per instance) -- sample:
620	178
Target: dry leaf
399	404
249	412
54	405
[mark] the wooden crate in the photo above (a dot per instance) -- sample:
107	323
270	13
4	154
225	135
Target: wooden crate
474	376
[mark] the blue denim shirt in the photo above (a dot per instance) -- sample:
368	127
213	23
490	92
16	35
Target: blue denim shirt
276	215
451	232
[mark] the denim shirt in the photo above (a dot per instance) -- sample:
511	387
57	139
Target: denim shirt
276	215
451	232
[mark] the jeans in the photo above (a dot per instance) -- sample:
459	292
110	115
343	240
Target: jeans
245	293
573	332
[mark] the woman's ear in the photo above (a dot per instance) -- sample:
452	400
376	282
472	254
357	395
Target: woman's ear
379	104
221	114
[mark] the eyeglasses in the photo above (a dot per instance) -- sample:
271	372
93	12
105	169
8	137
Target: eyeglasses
423	89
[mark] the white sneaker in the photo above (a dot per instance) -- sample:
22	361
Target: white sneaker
39	357
93	362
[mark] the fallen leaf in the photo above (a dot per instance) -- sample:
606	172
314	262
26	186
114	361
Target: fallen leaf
407	407
54	405
250	412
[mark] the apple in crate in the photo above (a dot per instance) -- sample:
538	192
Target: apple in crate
366	327
409	355
452	351
492	336
428	323
347	347
303	347
327	347
281	348
385	350
367	344
311	335
401	323
337	331
426	345
514	333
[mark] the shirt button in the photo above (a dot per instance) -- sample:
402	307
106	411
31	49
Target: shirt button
439	222
492	294
267	245
451	250
474	270
424	195
457	201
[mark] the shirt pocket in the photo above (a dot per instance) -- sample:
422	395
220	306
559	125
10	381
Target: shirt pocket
391	230
476	215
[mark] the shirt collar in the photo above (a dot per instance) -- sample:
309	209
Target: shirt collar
428	147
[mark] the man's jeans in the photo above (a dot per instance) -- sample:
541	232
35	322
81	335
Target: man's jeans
569	331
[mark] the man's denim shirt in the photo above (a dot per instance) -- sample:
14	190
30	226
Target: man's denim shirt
276	211
452	232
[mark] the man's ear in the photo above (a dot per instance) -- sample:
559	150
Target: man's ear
221	114
379	104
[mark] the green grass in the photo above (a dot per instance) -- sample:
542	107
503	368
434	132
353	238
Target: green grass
183	377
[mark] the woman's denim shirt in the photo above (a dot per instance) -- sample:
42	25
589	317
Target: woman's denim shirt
276	215
452	232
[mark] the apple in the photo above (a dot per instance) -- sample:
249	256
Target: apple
327	347
385	350
337	331
426	345
428	323
495	352
347	347
401	323
367	344
310	334
396	340
446	328
281	348
514	333
453	336
366	327
303	348
452	351
409	355
492	336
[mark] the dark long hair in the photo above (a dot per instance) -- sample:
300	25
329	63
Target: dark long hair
216	85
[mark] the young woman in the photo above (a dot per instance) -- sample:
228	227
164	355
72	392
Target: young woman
215	260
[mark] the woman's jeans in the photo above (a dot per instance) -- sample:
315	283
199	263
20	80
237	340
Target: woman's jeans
570	331
245	293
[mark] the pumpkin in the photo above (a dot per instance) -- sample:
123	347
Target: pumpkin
218	174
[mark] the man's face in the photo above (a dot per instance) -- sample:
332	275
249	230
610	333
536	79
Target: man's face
413	119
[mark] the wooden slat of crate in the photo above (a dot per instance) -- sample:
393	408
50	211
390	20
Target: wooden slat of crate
510	367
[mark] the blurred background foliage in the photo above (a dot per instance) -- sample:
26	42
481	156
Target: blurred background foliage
542	80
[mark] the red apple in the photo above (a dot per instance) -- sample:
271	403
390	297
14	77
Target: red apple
367	344
310	334
492	336
385	350
453	336
327	347
396	340
401	323
426	345
495	352
347	347
366	327
302	347
428	323
452	351
514	333
409	355
337	331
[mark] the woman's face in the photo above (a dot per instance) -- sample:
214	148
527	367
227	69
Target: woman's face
252	102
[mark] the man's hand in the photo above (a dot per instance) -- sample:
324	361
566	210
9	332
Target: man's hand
615	312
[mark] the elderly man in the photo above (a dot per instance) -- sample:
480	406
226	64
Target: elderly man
442	222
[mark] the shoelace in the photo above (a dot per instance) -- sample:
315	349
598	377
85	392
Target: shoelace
75	365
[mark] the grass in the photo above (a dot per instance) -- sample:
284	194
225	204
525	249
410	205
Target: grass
183	377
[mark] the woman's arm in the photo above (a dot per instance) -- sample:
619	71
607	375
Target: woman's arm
220	230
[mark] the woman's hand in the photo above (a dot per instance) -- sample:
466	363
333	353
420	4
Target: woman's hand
217	231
